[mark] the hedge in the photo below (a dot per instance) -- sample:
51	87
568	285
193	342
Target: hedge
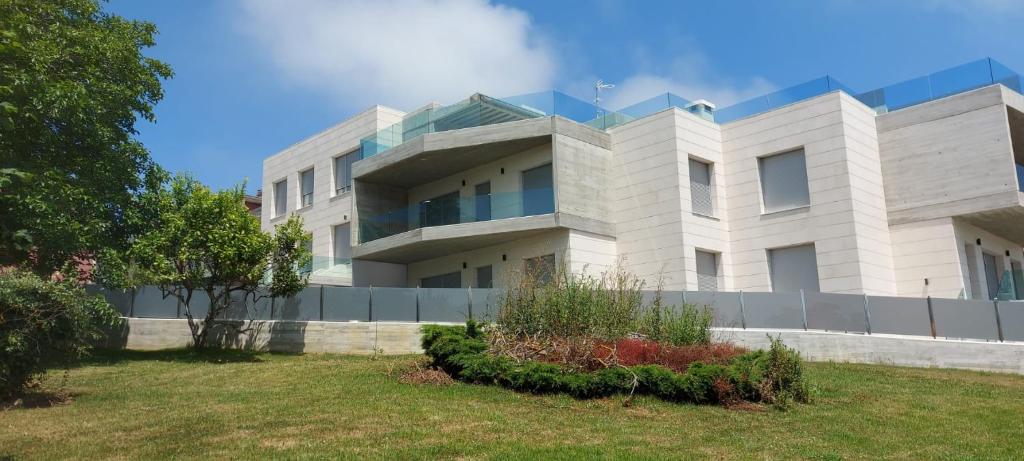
773	376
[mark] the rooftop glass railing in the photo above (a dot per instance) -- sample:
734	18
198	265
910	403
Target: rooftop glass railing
456	210
940	84
786	96
481	110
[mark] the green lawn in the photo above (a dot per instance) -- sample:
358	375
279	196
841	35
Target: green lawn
170	405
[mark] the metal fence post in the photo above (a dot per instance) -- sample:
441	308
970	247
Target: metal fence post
684	296
803	307
931	318
867	314
469	293
321	303
743	314
369	316
417	303
131	304
999	321
273	305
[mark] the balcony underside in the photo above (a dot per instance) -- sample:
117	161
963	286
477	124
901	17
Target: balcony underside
1006	222
432	242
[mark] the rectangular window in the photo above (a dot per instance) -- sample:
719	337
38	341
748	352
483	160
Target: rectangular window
794	269
707	271
784	181
343	172
440	211
280	198
991	274
306	184
538	191
1018	279
484	277
973	278
700	188
483	201
449	280
541	268
342	244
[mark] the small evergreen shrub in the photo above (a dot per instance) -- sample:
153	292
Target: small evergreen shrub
44	323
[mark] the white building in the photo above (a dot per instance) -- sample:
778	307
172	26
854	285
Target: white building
909	190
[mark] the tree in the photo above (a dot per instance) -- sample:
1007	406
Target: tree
73	83
207	241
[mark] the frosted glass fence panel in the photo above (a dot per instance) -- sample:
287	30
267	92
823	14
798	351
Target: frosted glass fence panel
725	307
120	299
773	310
255	306
1011	317
965	319
345	304
486	304
151	303
302	307
835	312
199	305
394	304
668	298
444	305
899	316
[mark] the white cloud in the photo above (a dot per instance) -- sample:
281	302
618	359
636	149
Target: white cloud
401	53
690	76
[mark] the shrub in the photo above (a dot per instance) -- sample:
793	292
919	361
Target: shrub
771	376
44	323
677	326
632	351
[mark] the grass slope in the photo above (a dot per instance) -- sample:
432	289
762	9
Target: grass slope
133	405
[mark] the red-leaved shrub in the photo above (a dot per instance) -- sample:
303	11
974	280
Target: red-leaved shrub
630	352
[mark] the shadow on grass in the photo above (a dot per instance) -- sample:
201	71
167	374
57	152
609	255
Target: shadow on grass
36	399
215	356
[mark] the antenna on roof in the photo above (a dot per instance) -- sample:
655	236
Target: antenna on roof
598	86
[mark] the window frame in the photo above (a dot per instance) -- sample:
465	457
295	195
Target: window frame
302	194
277	199
771	265
342	190
761	160
711	186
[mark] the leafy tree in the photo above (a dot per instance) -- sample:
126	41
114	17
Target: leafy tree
73	83
207	241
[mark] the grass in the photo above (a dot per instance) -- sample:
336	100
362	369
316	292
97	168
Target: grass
132	405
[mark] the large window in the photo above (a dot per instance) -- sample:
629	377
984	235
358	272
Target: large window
306	184
343	172
440	210
482	201
707	271
1018	279
485	277
342	244
700	188
541	268
992	274
449	280
280	198
784	181
538	196
794	269
308	267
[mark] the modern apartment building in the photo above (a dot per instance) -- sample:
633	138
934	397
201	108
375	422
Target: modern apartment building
908	190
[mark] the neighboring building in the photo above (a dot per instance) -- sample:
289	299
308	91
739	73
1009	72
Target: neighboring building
254	203
909	190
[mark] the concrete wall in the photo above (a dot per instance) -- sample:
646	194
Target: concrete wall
404	338
591	254
947	157
318	152
582	173
928	250
845	221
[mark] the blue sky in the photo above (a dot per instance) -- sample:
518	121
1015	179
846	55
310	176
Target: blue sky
255	76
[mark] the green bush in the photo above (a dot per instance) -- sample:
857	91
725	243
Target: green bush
773	376
44	323
683	326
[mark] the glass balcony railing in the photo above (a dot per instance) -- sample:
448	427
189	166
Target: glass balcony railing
456	210
480	110
940	84
329	266
760	104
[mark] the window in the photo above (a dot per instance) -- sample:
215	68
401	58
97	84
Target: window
707	271
342	244
449	280
992	273
794	269
343	172
1018	279
440	210
280	198
973	278
484	277
541	268
700	188
784	181
483	201
538	195
306	183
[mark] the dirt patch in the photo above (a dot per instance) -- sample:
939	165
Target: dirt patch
419	372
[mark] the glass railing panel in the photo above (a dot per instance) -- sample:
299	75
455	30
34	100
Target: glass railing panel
500	205
1020	177
798	93
1004	75
1011	318
900	316
965	319
961	78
